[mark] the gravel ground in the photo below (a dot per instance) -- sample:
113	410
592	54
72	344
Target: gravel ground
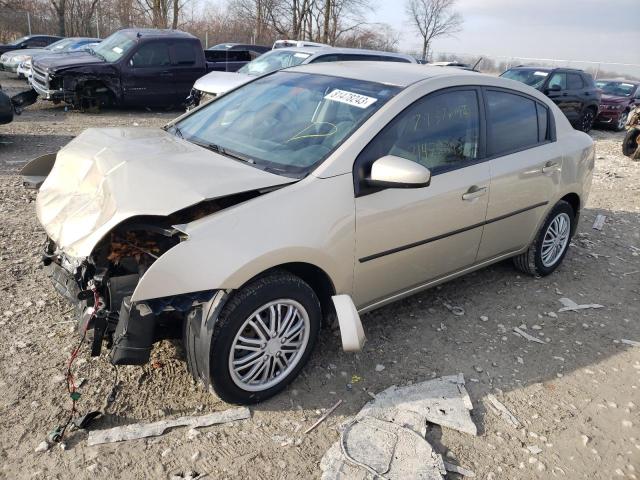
577	395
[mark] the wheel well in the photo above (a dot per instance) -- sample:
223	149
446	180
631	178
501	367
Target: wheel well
574	200
316	278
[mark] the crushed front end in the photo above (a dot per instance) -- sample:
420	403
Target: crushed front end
100	287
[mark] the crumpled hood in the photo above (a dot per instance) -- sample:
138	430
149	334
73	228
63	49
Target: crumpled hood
221	82
105	176
71	59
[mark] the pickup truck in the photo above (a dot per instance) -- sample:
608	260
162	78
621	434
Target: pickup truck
132	67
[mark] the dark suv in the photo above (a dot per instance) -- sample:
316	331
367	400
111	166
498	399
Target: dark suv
574	91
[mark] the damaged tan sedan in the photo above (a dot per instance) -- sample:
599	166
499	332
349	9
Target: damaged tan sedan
312	193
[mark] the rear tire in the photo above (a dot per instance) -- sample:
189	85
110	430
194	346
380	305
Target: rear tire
585	124
548	249
269	327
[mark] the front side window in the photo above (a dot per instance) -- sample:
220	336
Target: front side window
440	132
286	122
512	122
272	61
558	79
154	54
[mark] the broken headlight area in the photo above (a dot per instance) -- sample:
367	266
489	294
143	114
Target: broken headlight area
100	286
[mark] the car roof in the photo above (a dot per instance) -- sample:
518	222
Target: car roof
317	51
388	73
546	69
621	80
156	32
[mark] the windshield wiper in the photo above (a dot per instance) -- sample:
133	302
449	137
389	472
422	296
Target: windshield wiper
96	54
228	153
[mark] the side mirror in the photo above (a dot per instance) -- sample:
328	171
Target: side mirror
397	172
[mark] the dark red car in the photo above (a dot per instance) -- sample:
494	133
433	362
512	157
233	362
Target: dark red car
618	99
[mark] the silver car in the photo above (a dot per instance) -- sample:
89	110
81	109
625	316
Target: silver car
318	192
216	83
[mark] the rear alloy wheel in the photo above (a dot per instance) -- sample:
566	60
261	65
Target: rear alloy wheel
263	338
586	120
551	243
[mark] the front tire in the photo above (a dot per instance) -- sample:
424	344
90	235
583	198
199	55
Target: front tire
550	246
622	122
263	338
587	118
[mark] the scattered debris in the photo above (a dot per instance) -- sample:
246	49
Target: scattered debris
379	367
571	306
443	401
525	335
499	409
598	224
585	440
633	343
383	449
457	311
450	467
141	430
534	449
42	447
324	417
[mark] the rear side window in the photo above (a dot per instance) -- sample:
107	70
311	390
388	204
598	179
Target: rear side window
574	81
512	122
544	132
184	54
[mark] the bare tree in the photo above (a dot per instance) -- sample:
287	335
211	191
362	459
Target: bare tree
60	7
432	19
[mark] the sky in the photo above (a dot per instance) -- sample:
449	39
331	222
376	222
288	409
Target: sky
595	30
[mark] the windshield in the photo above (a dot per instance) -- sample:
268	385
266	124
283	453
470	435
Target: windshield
286	123
18	41
114	47
272	61
618	89
60	45
533	78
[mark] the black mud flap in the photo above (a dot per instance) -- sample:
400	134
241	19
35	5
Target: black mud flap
133	338
34	173
23	100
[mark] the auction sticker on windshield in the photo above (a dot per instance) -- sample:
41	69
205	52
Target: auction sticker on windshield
350	98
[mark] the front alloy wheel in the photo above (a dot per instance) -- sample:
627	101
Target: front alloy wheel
261	340
622	121
269	345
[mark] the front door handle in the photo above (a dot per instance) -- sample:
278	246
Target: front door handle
474	192
550	167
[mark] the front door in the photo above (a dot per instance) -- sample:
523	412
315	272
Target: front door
149	80
567	100
406	237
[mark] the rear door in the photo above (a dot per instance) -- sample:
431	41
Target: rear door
186	67
567	100
525	169
147	76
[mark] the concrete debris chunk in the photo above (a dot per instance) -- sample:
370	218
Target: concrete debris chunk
598	223
500	410
443	401
633	343
526	336
456	310
450	467
371	448
571	306
142	430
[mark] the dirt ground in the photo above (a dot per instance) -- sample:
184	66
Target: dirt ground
577	395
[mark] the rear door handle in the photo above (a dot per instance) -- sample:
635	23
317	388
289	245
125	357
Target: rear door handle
166	73
474	192
550	167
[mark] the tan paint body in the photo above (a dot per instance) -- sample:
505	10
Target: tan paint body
318	220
